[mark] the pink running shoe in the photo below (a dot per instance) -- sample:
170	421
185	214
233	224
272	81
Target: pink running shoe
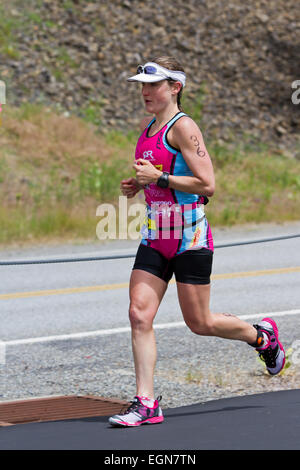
271	353
138	413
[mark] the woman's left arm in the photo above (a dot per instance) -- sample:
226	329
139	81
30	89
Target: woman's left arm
187	136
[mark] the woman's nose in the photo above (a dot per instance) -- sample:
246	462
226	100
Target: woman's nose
145	89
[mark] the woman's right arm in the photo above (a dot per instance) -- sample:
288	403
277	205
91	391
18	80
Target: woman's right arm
130	186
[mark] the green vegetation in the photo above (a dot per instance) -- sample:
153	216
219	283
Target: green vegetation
55	171
192	103
92	112
253	185
16	16
8	24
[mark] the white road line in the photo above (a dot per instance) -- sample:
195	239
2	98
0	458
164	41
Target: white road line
112	331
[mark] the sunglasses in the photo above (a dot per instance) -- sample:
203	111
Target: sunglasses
165	74
148	69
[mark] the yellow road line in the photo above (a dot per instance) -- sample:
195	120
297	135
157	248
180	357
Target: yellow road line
263	272
103	287
67	290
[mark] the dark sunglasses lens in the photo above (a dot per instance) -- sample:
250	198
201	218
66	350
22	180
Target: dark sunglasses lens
150	69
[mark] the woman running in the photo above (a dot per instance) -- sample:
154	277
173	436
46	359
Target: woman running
175	171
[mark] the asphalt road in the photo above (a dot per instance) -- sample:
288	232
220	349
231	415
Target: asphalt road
64	330
64	327
268	421
51	310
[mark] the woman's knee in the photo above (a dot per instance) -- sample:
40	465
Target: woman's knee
203	326
140	317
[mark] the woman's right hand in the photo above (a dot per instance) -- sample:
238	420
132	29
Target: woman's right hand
130	187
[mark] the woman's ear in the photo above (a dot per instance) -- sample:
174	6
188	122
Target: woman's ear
176	87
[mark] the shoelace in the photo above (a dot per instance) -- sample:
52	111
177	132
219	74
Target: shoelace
134	405
268	356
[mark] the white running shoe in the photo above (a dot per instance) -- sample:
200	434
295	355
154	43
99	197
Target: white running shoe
138	413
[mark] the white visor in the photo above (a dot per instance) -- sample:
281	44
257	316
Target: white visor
152	72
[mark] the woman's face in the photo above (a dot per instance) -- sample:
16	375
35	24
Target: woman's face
157	95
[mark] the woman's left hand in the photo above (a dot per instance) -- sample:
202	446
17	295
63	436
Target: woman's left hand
146	173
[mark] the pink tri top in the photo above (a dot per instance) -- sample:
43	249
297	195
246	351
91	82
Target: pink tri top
175	221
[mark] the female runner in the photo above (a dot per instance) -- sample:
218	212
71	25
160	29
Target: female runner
175	171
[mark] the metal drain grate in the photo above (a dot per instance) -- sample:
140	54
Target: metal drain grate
57	408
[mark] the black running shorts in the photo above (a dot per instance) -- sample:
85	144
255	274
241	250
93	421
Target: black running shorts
190	267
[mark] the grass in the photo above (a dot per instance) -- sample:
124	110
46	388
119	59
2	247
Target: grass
26	17
16	16
55	170
8	24
259	187
192	103
287	365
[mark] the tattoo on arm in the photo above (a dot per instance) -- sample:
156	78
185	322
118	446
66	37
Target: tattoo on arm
200	152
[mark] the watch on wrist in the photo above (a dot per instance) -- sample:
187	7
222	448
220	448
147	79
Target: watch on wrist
163	180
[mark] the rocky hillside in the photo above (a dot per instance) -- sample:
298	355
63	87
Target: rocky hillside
240	57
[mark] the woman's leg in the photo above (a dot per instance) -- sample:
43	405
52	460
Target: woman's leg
146	293
194	301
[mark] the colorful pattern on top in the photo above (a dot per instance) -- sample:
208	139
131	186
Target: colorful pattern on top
175	221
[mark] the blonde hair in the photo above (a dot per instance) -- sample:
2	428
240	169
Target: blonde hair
172	64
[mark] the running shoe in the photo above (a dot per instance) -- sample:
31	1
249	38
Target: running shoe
138	413
272	353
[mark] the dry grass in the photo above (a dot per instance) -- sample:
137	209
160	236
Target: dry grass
42	137
56	169
54	172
